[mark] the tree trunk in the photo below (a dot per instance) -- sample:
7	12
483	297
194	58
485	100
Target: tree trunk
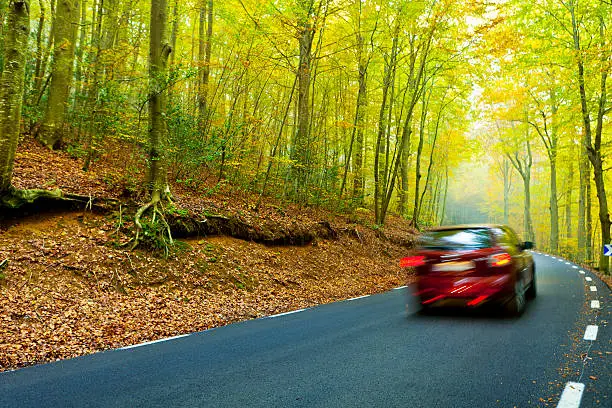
443	212
431	159
583	168
592	151
78	75
39	72
527	224
159	52
596	159
299	153
358	181
11	87
404	167
418	175
51	132
523	167
552	156
554	208
94	79
359	122
568	201
204	55
379	190
507	186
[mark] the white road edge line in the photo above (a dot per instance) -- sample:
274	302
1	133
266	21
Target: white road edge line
595	304
582	272
286	313
588	279
400	287
153	342
593	288
355	298
571	396
574	266
591	333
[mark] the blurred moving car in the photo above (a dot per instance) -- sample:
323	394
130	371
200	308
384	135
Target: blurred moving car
473	265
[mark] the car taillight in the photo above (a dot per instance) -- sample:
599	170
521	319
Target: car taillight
412	261
500	259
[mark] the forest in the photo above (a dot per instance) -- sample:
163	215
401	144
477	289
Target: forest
437	111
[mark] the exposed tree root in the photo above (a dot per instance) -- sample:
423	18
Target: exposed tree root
157	231
19	202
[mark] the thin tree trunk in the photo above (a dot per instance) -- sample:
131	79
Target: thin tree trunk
204	55
379	190
357	135
39	72
443	214
431	159
507	186
418	175
523	166
568	201
78	74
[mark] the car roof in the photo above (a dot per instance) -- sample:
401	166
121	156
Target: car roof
465	226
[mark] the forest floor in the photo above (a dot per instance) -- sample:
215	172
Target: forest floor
70	288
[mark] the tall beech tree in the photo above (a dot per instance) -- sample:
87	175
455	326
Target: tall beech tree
547	129
64	35
157	177
299	150
590	146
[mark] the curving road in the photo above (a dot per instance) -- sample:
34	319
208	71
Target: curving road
360	353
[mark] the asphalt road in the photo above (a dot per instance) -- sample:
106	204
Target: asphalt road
362	353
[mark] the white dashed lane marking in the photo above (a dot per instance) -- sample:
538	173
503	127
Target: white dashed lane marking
595	304
593	288
153	342
572	394
591	333
582	272
358	297
588	279
287	313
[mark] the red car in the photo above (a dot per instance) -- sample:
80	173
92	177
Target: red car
473	265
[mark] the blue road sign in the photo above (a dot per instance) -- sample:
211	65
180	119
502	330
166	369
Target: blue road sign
608	250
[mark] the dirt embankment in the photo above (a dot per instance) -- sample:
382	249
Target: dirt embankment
70	288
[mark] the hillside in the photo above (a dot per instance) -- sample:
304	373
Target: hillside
71	287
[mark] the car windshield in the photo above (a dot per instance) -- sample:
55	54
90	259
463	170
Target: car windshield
471	238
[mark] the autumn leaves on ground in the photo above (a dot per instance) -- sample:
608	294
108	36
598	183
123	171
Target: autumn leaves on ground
70	287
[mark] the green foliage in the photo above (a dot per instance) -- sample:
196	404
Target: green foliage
173	210
190	152
128	182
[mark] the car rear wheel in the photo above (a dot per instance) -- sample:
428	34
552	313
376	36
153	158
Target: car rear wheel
532	291
516	305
